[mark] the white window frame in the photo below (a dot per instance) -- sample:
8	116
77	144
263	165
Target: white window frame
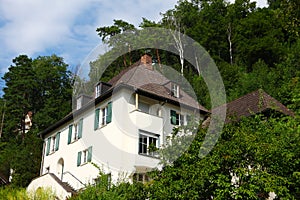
140	177
180	119
141	144
53	141
103	116
97	90
84	155
175	90
79	103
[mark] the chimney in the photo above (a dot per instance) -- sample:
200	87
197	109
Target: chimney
147	61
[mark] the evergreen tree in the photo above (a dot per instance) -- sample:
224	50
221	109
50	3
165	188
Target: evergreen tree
43	86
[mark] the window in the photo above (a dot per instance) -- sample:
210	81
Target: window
97	90
84	156
53	144
106	116
47	169
140	177
148	144
105	179
79	103
75	131
144	107
175	90
176	118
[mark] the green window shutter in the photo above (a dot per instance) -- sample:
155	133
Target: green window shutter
173	117
89	158
48	146
57	141
109	112
79	158
70	134
80	128
96	123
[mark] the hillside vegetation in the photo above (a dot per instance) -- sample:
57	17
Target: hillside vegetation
253	48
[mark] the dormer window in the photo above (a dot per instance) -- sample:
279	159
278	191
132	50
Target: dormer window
82	100
79	103
97	90
101	88
175	90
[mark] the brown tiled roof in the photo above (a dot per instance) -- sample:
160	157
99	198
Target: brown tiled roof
253	103
143	77
116	78
165	92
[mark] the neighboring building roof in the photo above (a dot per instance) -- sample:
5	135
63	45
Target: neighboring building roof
252	103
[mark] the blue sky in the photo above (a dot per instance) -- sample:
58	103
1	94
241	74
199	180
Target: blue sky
66	28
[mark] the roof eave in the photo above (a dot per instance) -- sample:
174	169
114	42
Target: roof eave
106	95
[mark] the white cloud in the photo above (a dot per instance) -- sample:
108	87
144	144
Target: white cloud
66	27
33	25
39	27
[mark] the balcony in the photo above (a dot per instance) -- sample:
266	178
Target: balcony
147	122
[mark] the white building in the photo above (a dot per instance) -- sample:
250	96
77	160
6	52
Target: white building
135	110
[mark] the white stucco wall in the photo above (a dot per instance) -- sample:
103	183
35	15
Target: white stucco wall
47	182
115	145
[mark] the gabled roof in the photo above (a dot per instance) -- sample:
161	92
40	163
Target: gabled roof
143	79
253	103
142	76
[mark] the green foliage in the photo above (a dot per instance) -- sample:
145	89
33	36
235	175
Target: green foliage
43	86
118	27
253	157
11	193
104	189
262	153
257	155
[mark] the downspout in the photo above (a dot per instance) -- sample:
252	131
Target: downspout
136	101
43	154
163	142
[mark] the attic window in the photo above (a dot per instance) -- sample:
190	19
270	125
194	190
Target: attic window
79	103
175	90
97	90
